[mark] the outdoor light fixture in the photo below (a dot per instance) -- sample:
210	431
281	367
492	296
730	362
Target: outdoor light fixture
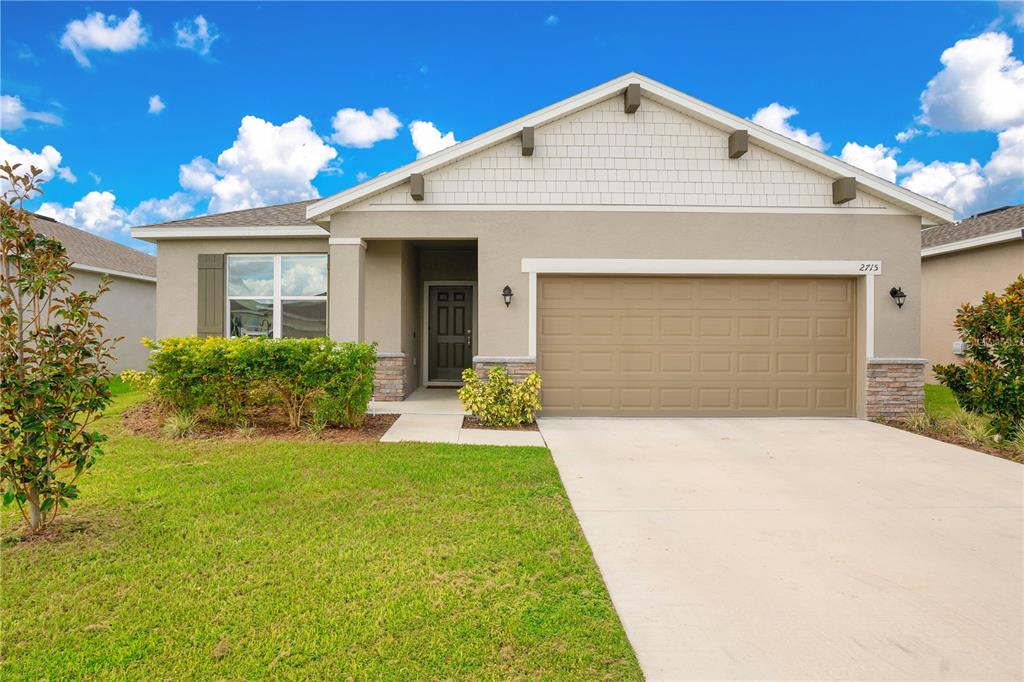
898	296
507	294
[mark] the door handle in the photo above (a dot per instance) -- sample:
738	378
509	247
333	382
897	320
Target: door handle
469	337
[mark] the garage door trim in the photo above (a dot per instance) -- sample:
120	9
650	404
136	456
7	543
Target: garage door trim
868	269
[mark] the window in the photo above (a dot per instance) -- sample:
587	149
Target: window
277	296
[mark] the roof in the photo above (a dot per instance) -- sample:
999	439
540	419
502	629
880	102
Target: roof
281	215
929	210
91	252
980	225
304	218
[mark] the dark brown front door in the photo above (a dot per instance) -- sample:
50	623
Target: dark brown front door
450	332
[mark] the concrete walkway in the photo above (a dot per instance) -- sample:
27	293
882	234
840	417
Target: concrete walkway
800	549
434	415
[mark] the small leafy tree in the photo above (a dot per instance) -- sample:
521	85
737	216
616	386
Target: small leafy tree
53	363
991	379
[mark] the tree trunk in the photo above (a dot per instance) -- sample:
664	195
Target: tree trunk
35	517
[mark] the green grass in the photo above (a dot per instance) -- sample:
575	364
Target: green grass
939	401
309	560
118	387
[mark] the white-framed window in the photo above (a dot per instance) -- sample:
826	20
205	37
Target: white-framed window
277	296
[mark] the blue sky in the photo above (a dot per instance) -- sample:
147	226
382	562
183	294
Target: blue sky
269	102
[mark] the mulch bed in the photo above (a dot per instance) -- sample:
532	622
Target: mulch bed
1003	453
147	419
470	422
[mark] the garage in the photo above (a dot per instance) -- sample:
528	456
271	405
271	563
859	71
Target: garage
687	346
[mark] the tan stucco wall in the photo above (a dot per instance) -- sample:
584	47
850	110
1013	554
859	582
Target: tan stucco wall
505	237
411	315
950	280
177	268
130	309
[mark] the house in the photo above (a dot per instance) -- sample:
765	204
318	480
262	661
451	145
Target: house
130	305
959	263
648	253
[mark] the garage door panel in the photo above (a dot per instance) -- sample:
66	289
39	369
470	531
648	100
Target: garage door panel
674	346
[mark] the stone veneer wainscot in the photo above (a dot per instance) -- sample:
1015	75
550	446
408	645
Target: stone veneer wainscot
895	387
389	382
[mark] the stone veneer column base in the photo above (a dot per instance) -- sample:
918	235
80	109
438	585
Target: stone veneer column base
895	387
389	380
516	367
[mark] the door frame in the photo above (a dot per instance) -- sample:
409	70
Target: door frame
425	328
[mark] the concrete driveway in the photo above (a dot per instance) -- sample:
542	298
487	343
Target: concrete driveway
800	549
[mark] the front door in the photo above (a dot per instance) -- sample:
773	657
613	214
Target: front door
450	332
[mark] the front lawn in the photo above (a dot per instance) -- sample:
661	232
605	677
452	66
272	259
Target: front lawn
939	401
306	559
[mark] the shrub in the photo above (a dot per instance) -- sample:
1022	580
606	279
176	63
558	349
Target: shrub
918	421
991	379
54	375
500	401
214	372
972	427
227	376
136	380
302	371
181	425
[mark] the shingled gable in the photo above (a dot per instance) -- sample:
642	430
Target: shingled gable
929	211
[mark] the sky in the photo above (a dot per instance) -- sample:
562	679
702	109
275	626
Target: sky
146	112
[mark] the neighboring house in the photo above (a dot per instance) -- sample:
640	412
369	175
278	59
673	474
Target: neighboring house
663	257
130	305
959	263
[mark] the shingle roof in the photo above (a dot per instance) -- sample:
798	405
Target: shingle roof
989	222
281	215
88	249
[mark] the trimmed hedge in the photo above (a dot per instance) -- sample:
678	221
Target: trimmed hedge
499	401
227	377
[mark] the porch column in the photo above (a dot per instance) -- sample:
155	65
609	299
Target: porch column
346	282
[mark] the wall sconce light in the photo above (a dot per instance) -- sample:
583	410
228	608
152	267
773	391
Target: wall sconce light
507	294
898	296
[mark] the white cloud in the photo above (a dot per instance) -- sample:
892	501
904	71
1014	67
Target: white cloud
981	86
95	178
156	105
552	20
969	187
1017	13
198	175
48	160
354	128
776	117
266	164
1007	162
13	114
878	160
96	212
99	213
955	184
99	32
196	34
427	139
361	176
908	134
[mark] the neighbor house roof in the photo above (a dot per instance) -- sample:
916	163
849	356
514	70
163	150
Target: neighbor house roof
96	254
929	210
991	227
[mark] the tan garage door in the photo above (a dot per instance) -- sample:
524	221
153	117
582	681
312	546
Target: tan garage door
683	346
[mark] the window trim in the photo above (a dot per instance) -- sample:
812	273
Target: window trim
276	297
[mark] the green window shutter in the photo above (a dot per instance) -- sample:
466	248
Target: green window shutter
211	295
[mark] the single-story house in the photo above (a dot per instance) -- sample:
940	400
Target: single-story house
959	263
130	305
647	253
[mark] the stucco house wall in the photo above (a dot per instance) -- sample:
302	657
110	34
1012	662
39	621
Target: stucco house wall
130	309
952	279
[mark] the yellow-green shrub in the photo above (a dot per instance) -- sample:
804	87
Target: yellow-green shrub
136	380
500	401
